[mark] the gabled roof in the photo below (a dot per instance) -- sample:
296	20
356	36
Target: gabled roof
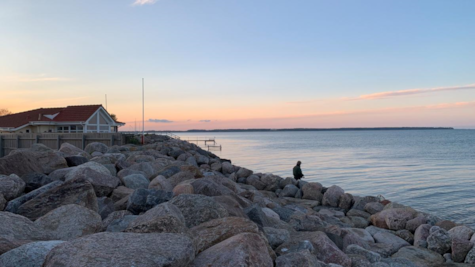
70	113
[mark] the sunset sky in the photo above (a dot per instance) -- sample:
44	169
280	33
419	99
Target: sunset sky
220	64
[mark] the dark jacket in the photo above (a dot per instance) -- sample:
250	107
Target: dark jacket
297	172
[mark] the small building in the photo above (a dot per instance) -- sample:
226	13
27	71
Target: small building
71	119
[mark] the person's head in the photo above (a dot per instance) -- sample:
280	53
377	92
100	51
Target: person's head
298	163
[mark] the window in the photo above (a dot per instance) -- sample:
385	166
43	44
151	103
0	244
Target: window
27	131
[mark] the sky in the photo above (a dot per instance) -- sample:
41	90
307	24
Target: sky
214	64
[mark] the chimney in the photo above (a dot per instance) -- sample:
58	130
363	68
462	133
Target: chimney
39	116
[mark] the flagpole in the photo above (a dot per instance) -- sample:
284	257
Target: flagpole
143	112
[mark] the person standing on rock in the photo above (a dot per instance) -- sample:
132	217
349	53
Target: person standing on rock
297	171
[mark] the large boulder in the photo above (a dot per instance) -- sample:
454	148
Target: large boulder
76	191
394	219
69	222
421	234
78	170
11	186
69	150
439	240
276	237
123	250
136	181
198	209
388	238
207	187
29	255
419	256
103	183
114	216
180	177
323	247
301	258
332	196
245	249
369	255
289	190
163	218
160	183
244	173
14	204
460	249
35	180
96	147
16	227
212	232
312	191
142	200
461	232
227	168
24	161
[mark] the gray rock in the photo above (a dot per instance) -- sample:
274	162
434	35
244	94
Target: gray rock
136	181
76	191
121	192
74	161
124	250
142	200
360	203
245	249
69	222
227	168
369	255
14	204
35	180
346	201
105	207
284	213
78	170
60	174
439	240
390	239
69	150
114	216
332	196
289	190
101	181
359	261
191	161
255	181
293	247
461	232
373	207
160	183
29	255
24	161
215	231
419	256
299	259
198	209
413	224
244	173
398	262
460	249
304	222
287	181
276	237
163	218
470	258
200	159
121	224
96	147
421	234
11	186
15	227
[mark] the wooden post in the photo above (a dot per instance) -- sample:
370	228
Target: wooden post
112	139
58	140
1	146
17	141
83	143
37	139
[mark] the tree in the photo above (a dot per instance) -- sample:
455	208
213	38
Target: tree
4	111
114	117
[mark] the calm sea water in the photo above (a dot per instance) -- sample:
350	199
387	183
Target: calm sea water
429	170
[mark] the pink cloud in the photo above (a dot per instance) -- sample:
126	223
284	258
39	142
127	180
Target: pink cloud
414	92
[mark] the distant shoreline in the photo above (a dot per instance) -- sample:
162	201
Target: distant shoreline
312	129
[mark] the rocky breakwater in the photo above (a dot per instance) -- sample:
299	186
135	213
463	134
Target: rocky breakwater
170	203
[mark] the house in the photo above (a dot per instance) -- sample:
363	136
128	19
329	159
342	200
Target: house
71	119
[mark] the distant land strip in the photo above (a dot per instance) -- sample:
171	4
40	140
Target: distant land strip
316	129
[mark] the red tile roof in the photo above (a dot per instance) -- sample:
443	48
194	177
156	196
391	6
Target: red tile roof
70	113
